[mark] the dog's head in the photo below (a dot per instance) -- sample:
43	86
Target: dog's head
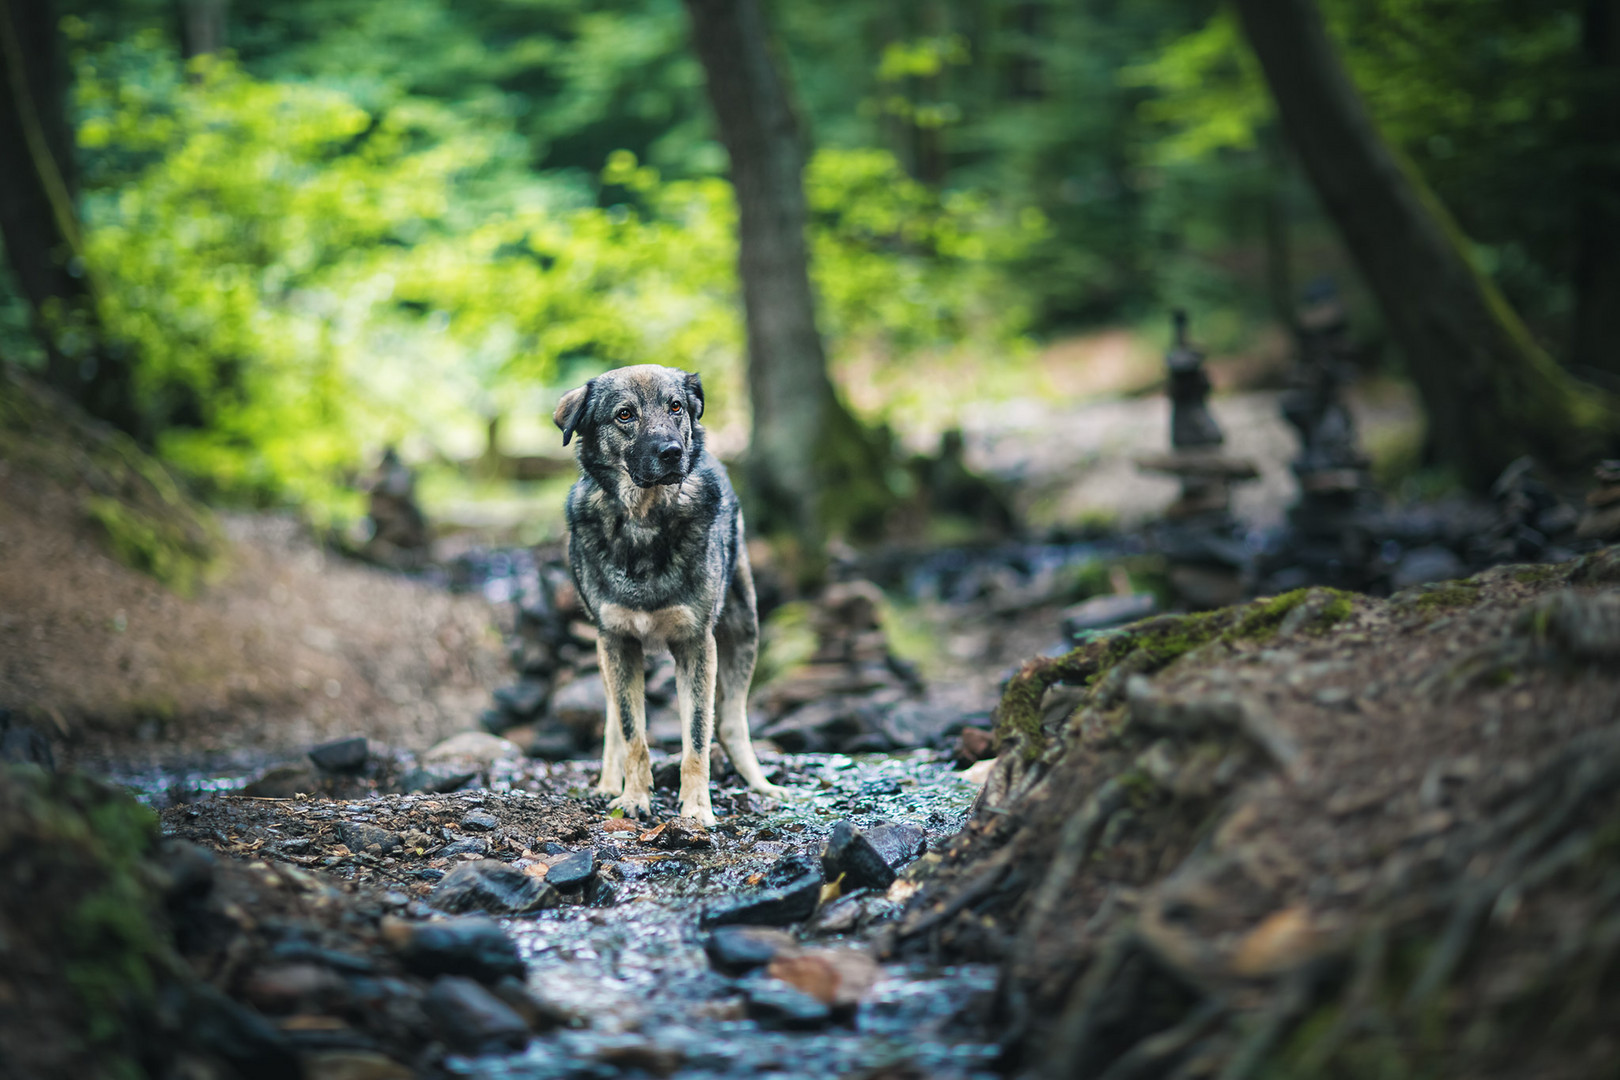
641	419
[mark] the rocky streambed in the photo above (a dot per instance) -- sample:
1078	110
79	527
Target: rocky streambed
524	932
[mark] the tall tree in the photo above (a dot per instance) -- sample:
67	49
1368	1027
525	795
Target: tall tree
1490	392
810	463
1595	341
38	218
202	26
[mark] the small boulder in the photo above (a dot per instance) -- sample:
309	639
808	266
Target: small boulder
479	821
467	845
775	1004
789	894
479	746
487	885
572	871
849	856
974	744
581	703
341	755
899	843
736	949
523	700
474	946
471	1019
435	780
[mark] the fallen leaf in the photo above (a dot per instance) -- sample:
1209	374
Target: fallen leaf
1283	940
652	834
618	824
832	890
536	870
836	977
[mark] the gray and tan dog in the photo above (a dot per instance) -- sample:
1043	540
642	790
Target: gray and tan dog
655	542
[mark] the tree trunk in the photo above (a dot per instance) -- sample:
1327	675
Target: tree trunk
806	446
1491	394
202	26
1595	340
39	222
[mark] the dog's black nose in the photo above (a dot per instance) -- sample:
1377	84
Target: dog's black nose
670	453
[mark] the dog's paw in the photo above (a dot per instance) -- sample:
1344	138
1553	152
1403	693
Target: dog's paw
703	814
610	790
772	791
633	805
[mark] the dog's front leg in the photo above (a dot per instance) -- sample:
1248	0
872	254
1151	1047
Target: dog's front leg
694	696
625	762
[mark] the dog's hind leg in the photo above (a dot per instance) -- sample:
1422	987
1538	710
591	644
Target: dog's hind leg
694	696
736	671
625	761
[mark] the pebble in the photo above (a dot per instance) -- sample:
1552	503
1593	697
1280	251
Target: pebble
472	845
488	885
359	837
474	946
479	820
471	1019
898	842
479	746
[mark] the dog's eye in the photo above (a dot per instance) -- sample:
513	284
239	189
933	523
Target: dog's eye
674	406
625	416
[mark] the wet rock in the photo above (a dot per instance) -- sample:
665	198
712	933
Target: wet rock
306	952
479	746
221	1027
736	949
284	782
358	836
581	703
1426	564
572	871
354	1065
471	1019
678	833
1102	612
899	843
487	885
974	744
789	894
523	700
537	1013
479	820
22	744
1584	626
553	741
848	856
474	946
291	988
775	1004
341	755
639	1055
435	780
468	845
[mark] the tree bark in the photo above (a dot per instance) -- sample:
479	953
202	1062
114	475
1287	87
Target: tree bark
1490	393
39	221
202	26
805	444
1595	339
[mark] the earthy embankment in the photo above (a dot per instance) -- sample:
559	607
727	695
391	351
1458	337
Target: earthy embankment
1314	835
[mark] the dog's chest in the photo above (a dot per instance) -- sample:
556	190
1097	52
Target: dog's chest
662	624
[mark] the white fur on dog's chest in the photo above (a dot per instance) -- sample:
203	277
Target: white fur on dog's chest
661	624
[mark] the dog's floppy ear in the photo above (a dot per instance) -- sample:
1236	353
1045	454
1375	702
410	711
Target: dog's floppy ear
571	410
694	394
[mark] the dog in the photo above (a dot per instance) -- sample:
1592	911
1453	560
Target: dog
655	544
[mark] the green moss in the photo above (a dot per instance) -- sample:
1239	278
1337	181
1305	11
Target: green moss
1448	596
150	545
1154	643
1537	575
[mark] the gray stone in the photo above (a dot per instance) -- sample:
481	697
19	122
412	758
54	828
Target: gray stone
358	836
1101	612
900	843
524	699
1425	564
487	885
467	845
475	946
736	949
572	871
435	780
479	820
790	892
849	857
775	1004
471	1019
580	703
341	756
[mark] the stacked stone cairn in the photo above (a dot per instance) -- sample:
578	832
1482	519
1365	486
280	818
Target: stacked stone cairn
1601	521
1199	536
